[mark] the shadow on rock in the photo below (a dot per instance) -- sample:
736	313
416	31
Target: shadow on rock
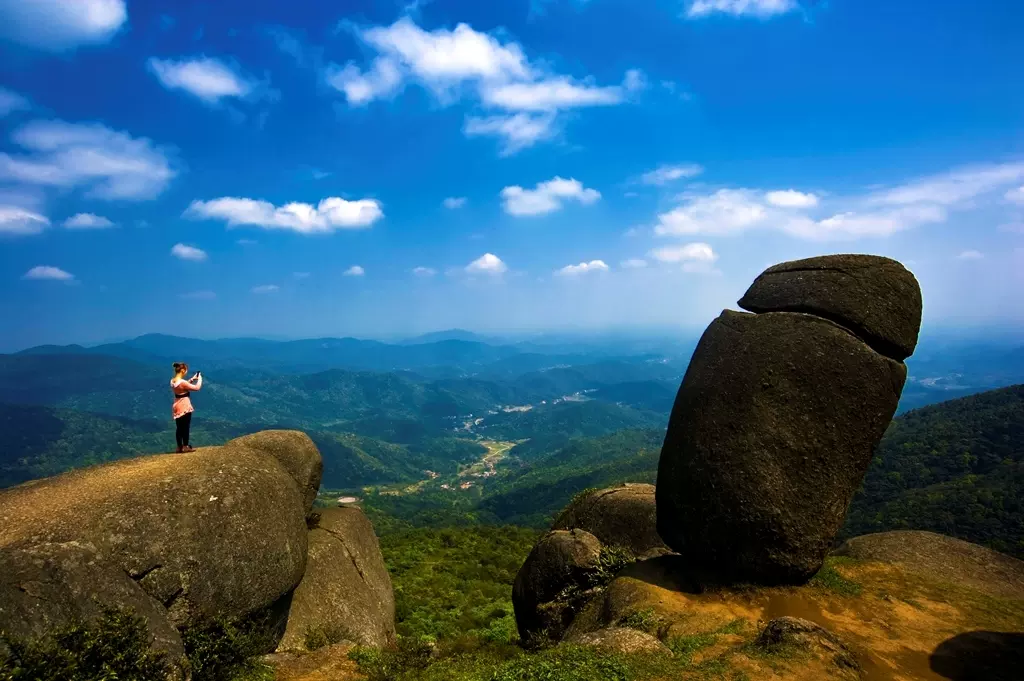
980	656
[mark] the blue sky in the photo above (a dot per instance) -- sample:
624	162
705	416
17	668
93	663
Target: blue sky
313	168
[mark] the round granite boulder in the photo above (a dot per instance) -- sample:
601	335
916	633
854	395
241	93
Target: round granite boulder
624	516
877	298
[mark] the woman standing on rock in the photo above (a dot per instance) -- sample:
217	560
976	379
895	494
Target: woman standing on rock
182	409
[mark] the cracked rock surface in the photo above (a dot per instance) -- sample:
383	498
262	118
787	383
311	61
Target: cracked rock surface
346	592
779	413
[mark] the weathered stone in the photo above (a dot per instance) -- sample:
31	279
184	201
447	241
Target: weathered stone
621	640
295	451
771	432
49	587
561	560
219	532
800	633
623	516
346	592
875	297
943	558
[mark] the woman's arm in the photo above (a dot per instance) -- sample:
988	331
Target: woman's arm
190	385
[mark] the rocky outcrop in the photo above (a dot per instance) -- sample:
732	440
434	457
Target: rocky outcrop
295	452
346	592
622	516
795	632
944	558
219	532
621	640
876	298
553	580
778	416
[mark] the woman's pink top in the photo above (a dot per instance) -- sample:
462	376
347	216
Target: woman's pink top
179	386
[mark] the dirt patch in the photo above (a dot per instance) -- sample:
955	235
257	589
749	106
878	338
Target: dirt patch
327	664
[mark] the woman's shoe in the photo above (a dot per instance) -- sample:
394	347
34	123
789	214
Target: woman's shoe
179	450
189	448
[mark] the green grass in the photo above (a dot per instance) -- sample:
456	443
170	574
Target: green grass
829	579
684	647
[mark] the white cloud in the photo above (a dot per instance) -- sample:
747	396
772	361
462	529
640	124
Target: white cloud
669	173
725	211
634	264
88	221
424	271
1016	195
330	214
354	271
546	197
762	9
582	268
266	288
48	272
790	198
694	252
61	24
19	221
453	202
186	252
204	77
955	186
106	163
488	263
382	80
198	295
465	63
970	255
516	132
11	101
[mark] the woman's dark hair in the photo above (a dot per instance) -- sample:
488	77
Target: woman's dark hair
179	366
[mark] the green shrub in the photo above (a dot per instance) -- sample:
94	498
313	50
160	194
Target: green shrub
645	620
829	579
564	663
114	647
685	646
227	649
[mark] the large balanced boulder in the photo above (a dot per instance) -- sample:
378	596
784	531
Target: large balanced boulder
219	532
552	582
876	298
624	516
346	592
772	430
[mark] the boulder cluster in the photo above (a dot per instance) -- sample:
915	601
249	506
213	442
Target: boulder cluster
772	431
187	539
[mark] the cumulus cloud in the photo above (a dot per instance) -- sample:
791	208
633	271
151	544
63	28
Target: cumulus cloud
186	252
878	213
330	214
211	80
970	255
662	175
49	272
582	268
464	63
516	132
546	197
57	25
453	202
1016	195
266	288
11	101
107	164
634	264
488	263
354	271
790	198
424	271
761	9
88	221
18	221
694	252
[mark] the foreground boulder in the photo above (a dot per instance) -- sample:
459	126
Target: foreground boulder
778	416
553	581
621	640
346	592
220	532
796	632
624	516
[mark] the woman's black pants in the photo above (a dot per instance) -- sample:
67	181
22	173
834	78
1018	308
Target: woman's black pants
181	426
